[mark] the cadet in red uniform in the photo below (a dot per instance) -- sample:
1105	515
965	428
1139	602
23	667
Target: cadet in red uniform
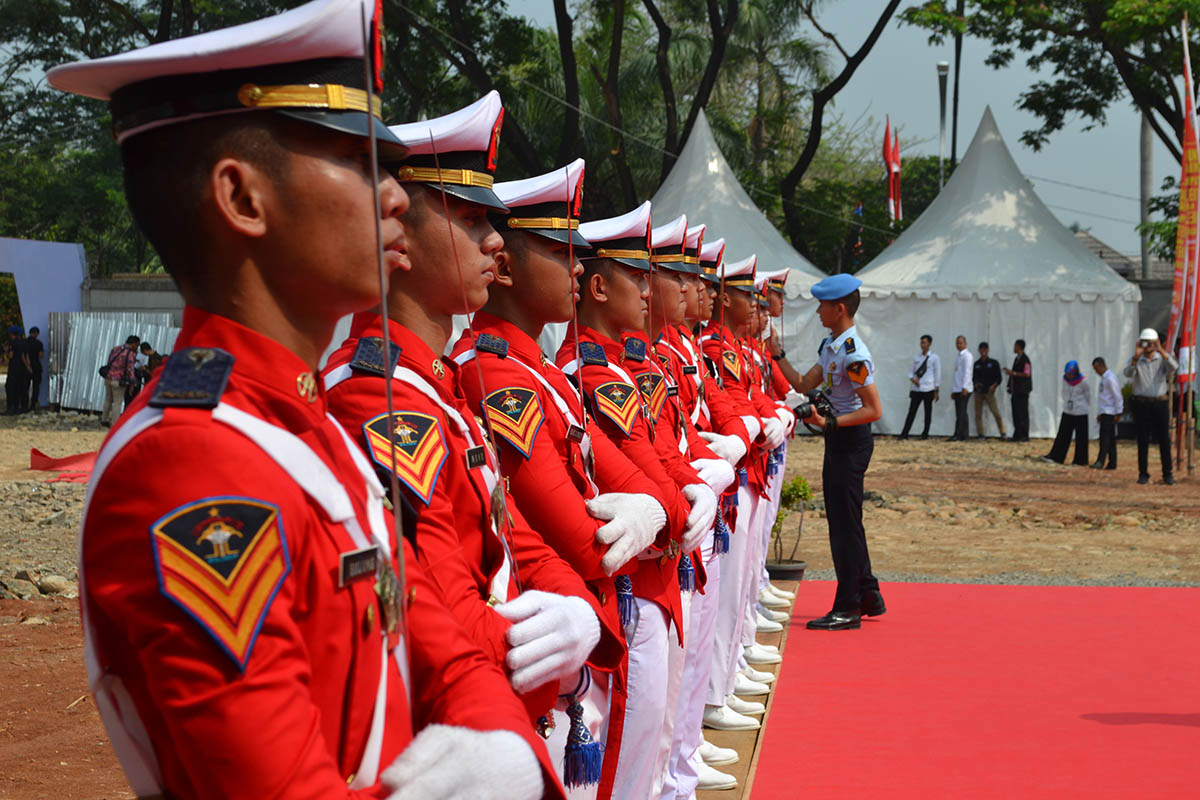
566	474
472	541
250	629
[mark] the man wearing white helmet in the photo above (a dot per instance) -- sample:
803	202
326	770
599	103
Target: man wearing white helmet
1151	368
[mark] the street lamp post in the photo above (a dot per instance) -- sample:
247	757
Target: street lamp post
943	69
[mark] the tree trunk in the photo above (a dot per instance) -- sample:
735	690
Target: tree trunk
568	142
612	99
721	31
670	112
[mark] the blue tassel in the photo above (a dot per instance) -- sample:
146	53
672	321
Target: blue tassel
721	536
624	598
584	756
687	574
743	477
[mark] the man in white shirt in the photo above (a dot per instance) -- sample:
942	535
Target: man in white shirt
961	389
1111	406
925	375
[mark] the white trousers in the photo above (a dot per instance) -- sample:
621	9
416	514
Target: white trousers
595	702
755	558
646	701
774	490
676	661
682	773
727	643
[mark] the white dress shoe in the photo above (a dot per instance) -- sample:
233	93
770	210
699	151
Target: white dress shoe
773	615
744	687
764	625
724	718
771	600
712	780
758	676
784	593
747	708
756	654
717	756
770	648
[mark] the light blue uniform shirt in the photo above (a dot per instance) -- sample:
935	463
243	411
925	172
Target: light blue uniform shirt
847	367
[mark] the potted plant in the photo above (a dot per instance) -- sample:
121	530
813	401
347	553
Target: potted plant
795	495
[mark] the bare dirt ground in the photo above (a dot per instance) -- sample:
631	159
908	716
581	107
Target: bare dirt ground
936	511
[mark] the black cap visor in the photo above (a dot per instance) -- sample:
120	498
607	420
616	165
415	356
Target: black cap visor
355	123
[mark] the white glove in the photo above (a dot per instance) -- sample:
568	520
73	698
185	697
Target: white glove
636	521
453	763
753	426
730	448
715	472
788	418
774	431
553	636
700	519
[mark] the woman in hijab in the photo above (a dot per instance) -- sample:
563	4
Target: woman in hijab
1076	398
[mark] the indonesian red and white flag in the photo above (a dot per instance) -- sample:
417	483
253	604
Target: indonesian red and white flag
896	173
888	171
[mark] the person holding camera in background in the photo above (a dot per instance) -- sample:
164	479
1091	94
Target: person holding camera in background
1151	368
846	374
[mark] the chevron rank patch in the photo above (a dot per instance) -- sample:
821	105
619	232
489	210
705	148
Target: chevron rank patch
654	392
858	372
618	402
635	349
420	449
222	560
592	354
515	414
732	363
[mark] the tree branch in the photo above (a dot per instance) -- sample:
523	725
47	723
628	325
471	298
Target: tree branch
663	63
807	8
131	18
612	99
721	31
567	144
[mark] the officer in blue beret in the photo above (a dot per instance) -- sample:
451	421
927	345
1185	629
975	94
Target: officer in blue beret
846	374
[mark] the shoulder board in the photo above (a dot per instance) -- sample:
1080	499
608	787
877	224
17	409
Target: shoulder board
592	354
194	377
618	401
635	349
489	343
654	393
420	449
515	414
848	345
368	356
732	363
222	560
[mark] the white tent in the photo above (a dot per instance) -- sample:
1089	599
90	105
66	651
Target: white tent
989	261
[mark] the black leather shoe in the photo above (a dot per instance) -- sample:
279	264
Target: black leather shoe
1143	479
872	605
1098	465
1111	466
836	621
1169	480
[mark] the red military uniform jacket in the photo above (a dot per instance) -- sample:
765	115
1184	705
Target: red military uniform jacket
616	405
460	539
737	379
232	652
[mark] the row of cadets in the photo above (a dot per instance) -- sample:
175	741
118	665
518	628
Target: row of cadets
575	487
528	609
252	626
613	302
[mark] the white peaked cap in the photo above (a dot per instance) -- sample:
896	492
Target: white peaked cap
320	29
712	251
738	269
468	129
558	186
695	235
671	234
778	276
632	225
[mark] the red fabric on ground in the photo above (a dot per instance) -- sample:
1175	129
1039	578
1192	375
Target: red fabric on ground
81	463
989	691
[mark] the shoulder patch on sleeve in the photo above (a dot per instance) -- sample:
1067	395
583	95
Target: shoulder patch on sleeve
516	415
732	363
635	349
194	377
848	345
618	401
368	356
592	354
654	392
222	561
858	372
420	449
490	343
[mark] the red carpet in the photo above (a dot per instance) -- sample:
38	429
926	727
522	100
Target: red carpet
990	691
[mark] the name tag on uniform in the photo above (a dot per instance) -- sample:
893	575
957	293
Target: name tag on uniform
689	369
357	565
575	433
672	391
476	457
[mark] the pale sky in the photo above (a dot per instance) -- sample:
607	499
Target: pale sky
899	78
